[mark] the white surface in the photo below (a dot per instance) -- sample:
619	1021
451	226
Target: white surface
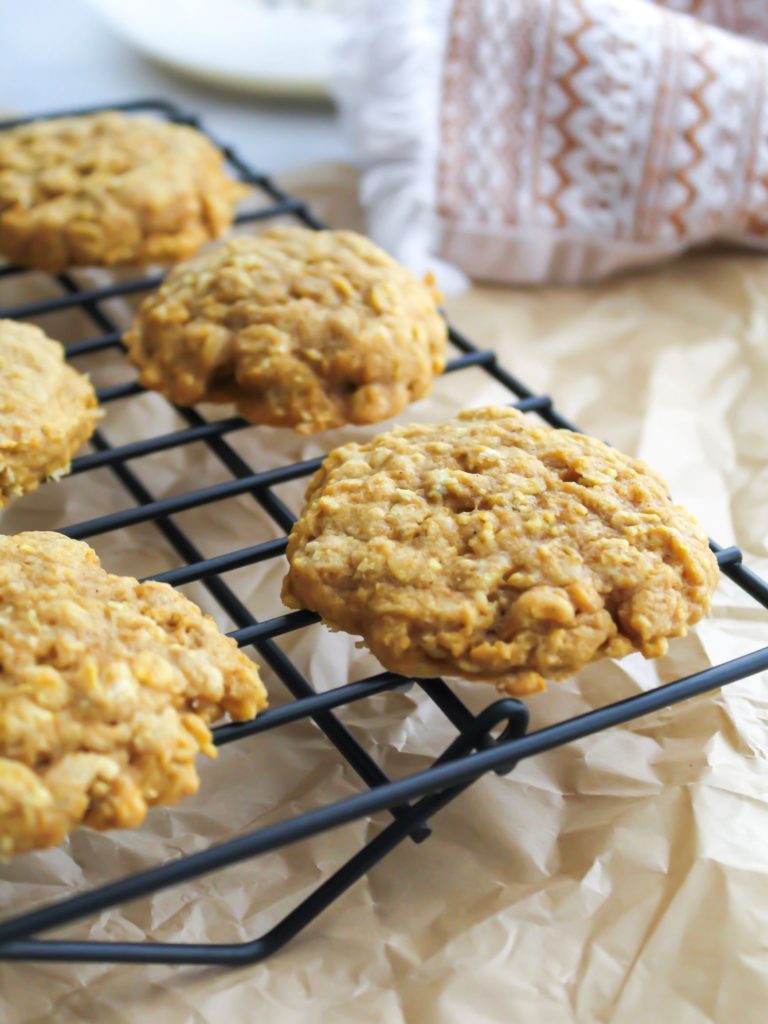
280	48
59	53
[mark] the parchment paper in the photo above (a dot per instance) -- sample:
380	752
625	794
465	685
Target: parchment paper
623	878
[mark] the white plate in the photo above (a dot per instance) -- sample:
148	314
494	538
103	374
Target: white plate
282	47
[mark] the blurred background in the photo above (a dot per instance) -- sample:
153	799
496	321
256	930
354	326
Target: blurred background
257	71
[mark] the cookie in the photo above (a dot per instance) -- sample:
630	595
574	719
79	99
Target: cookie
298	328
107	689
107	190
493	548
47	409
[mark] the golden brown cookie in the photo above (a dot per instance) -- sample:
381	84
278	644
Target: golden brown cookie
299	328
106	691
47	409
493	548
108	189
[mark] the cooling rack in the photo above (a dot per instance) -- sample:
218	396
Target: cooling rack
491	741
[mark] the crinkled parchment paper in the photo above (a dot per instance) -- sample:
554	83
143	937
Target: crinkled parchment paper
623	878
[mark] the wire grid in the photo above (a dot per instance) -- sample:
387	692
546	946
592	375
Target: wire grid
494	740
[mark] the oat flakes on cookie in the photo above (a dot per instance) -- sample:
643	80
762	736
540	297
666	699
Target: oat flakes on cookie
107	689
298	328
47	409
493	548
108	189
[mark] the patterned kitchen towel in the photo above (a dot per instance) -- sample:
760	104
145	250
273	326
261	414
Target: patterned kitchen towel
558	140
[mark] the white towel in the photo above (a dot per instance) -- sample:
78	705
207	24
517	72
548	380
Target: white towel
557	140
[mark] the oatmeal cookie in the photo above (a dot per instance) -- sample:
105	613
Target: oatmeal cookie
300	328
493	548
108	189
107	689
47	409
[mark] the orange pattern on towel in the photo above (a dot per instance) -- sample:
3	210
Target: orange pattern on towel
613	120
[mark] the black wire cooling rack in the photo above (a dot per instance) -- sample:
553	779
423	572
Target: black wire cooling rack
494	740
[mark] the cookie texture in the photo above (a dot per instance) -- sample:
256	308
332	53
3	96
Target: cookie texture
106	692
493	548
108	189
299	328
47	409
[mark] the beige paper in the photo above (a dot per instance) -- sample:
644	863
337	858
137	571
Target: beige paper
623	878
